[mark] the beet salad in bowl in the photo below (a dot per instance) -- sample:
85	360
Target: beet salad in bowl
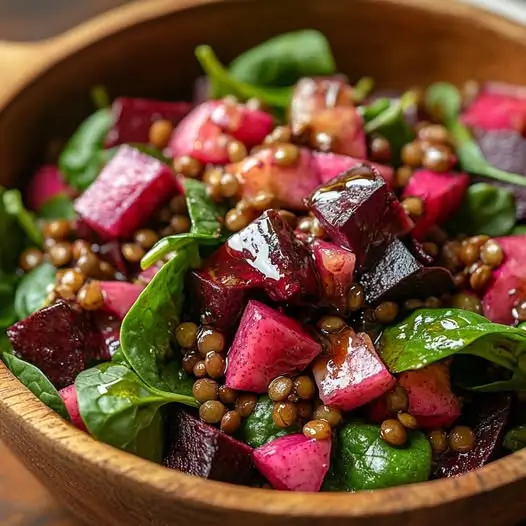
295	281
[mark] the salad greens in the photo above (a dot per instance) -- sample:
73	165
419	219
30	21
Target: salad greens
8	314
33	289
515	438
12	200
57	207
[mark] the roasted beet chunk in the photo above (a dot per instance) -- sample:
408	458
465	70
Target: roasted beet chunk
266	257
61	340
359	211
398	276
199	449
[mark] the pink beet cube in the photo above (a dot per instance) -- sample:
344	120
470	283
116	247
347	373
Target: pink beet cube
125	194
267	344
69	395
294	462
47	182
351	374
119	296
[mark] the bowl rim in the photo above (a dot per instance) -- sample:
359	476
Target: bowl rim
65	439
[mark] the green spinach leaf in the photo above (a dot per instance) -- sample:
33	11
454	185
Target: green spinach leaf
11	238
33	289
376	108
486	209
57	207
515	438
148	328
361	89
519	230
8	315
443	101
12	200
282	60
37	382
100	97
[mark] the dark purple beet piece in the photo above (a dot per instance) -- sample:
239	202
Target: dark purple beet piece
61	340
504	149
359	211
199	449
133	118
399	276
417	249
487	416
109	328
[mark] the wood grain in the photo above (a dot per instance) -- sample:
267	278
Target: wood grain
147	49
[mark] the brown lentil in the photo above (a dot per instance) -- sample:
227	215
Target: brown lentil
280	388
106	271
229	185
437	158
332	415
178	205
380	150
180	224
30	259
215	365
288	217
284	414
396	399
407	420
469	253
189	361
186	334
132	252
331	324
73	279
278	135
227	395
286	154
160	133
480	278
187	166
199	369
205	389
403	176
261	201
146	238
89	264
451	255
65	292
438	440
355	297
434	134
304	387
491	253
209	340
386	312
413	304
58	229
245	404
461	439
432	303
90	296
60	253
304	409
430	248
393	432
414	206
164	214
235	220
412	154
461	280
237	151
317	429
212	411
466	301
293	398
230	422
80	247
316	229
479	240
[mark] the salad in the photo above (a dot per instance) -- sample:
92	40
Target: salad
296	281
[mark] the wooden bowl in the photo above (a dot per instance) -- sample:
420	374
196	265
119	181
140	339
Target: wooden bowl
147	49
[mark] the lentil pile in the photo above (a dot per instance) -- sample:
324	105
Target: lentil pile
282	281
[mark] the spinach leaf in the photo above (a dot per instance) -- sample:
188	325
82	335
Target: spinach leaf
207	224
430	335
515	438
486	209
120	409
8	315
83	157
100	97
37	382
364	461
148	328
13	205
11	238
519	230
373	110
5	345
361	89
59	206
443	101
33	289
282	60
223	83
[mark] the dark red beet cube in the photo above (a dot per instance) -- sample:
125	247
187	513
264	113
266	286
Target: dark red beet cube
399	276
61	340
359	211
199	449
133	118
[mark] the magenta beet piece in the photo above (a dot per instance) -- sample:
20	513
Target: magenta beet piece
199	449
61	340
112	253
350	374
109	328
69	395
119	296
127	191
331	165
431	400
360	212
133	118
398	276
322	110
47	182
294	462
487	415
267	344
508	287
290	185
335	267
145	276
442	195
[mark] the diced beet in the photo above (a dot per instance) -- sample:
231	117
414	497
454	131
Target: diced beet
323	107
61	340
268	344
132	118
487	416
351	374
335	267
289	184
109	328
294	462
431	400
47	182
203	133
265	256
359	211
331	165
202	450
442	195
112	253
127	191
398	276
119	296
504	149
417	249
69	395
508	287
